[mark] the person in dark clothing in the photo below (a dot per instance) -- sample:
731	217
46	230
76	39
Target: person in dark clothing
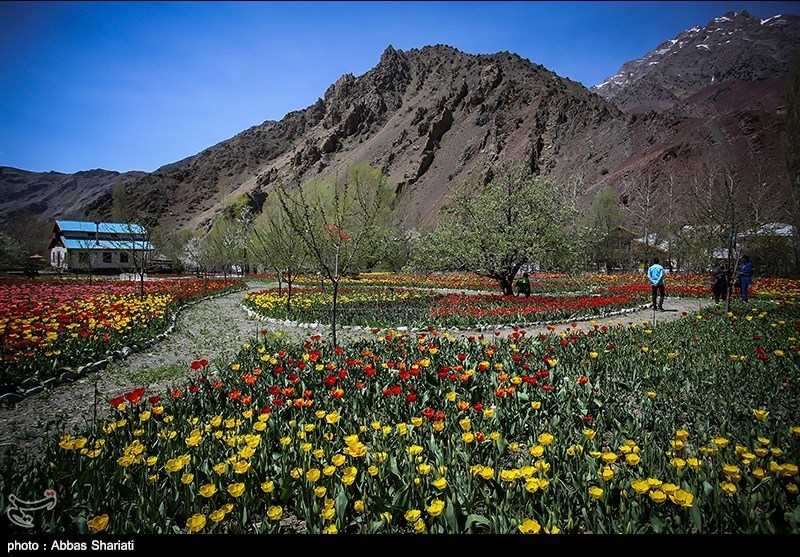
524	285
506	284
745	276
722	283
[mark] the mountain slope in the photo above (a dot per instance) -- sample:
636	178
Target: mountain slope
50	195
736	46
428	117
435	116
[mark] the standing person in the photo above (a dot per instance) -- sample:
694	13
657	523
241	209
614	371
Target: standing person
655	274
745	275
524	285
721	284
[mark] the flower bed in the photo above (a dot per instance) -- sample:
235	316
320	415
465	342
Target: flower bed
678	284
690	427
414	308
45	326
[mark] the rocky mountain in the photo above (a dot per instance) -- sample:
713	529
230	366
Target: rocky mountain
734	47
49	195
429	117
435	117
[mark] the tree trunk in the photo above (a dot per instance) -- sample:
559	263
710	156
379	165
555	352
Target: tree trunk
288	293
333	312
506	281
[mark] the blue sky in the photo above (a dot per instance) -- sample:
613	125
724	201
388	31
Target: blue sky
136	85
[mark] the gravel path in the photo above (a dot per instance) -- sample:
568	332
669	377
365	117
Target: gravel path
215	330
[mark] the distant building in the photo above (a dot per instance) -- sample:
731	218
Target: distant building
98	246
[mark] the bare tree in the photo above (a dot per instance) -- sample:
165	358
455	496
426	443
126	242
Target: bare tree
336	222
643	207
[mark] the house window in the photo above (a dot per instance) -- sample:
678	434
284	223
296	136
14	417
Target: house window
123	257
106	257
83	257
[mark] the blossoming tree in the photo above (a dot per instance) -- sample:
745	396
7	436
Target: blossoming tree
516	220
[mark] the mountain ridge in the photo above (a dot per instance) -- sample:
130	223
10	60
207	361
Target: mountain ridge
434	116
702	56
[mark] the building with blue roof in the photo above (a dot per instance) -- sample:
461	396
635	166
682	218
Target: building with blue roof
99	246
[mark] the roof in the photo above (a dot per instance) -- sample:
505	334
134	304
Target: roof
126	245
104	227
772	229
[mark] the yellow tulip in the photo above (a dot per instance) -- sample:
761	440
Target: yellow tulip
196	523
274	513
98	523
236	489
435	508
529	526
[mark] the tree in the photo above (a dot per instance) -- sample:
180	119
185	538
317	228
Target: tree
12	252
198	255
28	231
337	223
669	199
119	202
642	206
138	226
513	222
277	245
717	216
170	243
230	238
604	219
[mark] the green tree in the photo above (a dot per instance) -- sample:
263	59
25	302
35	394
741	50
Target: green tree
605	218
337	223
11	251
170	242
277	245
120	208
516	220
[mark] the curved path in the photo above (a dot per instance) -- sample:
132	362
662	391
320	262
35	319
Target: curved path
213	329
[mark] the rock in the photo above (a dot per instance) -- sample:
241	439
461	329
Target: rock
11	398
48	383
34	391
135	348
67	376
162	336
97	366
126	352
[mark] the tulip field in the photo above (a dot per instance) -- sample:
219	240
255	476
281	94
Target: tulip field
47	326
611	426
417	308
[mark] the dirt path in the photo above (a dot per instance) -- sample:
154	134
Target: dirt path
213	329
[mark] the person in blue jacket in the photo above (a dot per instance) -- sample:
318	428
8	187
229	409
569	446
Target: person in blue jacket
745	275
655	274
